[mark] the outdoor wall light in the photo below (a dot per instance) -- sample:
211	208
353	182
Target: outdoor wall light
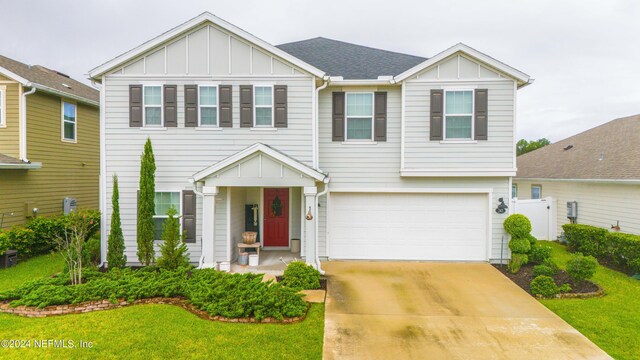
502	207
255	214
309	215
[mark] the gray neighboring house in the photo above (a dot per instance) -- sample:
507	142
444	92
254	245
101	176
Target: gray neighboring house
361	153
598	168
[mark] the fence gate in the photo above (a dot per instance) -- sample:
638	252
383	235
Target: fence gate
541	213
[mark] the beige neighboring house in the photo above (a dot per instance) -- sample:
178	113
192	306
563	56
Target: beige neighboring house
599	169
49	142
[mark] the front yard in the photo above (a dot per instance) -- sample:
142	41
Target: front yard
611	322
152	331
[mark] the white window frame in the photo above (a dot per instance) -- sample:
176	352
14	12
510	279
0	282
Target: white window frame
346	116
217	106
3	106
145	106
444	115
74	122
514	187
540	192
165	216
255	107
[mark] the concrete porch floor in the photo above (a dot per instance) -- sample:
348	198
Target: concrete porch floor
270	262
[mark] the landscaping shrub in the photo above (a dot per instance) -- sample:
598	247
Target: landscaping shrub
173	251
516	262
519	245
539	253
581	267
589	240
624	250
21	239
552	265
115	242
517	225
301	276
543	270
544	286
45	229
218	293
532	240
4	242
565	288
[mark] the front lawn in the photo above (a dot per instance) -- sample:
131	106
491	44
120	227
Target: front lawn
612	322
34	268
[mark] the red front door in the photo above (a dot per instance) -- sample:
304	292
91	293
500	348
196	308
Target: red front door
276	217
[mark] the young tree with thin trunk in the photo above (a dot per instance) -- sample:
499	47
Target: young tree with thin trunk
115	244
173	251
146	206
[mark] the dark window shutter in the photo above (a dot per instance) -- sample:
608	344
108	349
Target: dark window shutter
280	105
380	117
170	105
135	105
191	105
246	105
435	123
480	117
189	216
225	103
338	116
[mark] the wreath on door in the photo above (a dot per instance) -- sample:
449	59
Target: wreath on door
276	207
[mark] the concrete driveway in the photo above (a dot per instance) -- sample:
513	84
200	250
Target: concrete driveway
411	310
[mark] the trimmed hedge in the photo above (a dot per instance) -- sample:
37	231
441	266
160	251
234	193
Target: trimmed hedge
544	286
299	275
517	225
619	248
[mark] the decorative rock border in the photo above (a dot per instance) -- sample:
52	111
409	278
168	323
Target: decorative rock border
598	293
55	310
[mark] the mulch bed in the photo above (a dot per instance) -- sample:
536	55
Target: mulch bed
323	282
524	277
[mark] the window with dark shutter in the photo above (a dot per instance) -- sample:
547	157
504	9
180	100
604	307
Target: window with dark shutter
337	113
380	117
246	105
170	105
135	105
226	108
435	123
280	103
191	105
480	117
189	216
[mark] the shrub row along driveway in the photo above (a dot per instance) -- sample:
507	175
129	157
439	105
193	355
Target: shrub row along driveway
382	310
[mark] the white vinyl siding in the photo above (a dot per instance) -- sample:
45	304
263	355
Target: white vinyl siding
458	115
152	105
359	117
164	201
208	105
263	106
69	122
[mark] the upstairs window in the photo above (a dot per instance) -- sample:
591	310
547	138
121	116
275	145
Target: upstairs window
153	105
263	106
163	202
68	121
458	115
208	104
359	117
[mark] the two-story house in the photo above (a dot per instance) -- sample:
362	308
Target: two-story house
49	143
361	153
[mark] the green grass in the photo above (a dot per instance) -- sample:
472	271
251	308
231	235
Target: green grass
152	331
34	268
613	321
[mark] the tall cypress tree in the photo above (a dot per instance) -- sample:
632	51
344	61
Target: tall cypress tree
115	244
146	205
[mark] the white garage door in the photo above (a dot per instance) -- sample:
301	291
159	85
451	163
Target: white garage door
408	226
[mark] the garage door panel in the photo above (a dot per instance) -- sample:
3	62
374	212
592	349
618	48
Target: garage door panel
408	226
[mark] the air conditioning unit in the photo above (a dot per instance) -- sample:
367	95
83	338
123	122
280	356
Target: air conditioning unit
572	210
69	205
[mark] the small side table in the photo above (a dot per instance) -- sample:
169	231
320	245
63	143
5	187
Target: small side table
255	245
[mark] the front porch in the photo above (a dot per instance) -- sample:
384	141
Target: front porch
272	262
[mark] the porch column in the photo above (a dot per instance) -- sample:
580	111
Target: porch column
311	208
208	225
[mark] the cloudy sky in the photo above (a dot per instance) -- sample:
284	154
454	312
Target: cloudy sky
584	55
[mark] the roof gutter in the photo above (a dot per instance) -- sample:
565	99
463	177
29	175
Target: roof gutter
67	95
23	124
339	81
23	166
592	181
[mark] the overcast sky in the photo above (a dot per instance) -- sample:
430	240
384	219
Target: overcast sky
584	55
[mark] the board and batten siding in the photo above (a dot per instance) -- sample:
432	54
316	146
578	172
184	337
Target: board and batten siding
601	205
68	169
459	72
10	131
180	152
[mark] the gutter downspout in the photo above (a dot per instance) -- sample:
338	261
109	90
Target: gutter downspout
323	192
316	124
23	124
200	194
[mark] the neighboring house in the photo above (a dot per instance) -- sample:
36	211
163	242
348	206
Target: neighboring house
599	169
49	142
362	153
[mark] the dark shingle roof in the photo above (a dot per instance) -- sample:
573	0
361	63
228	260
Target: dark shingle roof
350	61
609	151
50	78
6	159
